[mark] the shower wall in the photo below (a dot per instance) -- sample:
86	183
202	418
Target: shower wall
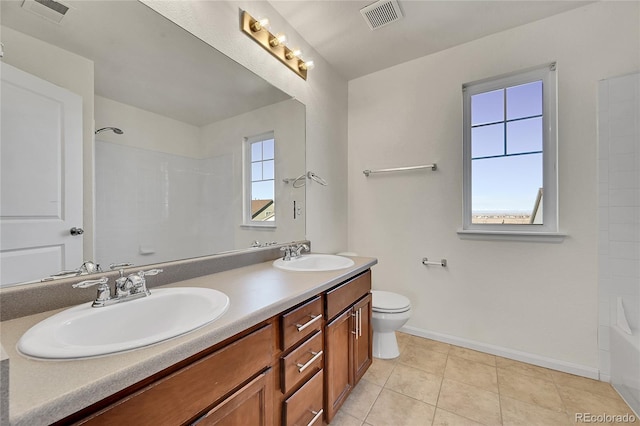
619	233
164	205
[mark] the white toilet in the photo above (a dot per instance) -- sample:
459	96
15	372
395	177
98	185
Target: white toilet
390	311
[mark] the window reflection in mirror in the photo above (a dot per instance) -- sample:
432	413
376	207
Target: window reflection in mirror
261	155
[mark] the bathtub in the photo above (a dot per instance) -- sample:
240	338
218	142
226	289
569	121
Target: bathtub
625	365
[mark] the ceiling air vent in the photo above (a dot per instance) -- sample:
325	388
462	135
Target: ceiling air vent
48	9
381	13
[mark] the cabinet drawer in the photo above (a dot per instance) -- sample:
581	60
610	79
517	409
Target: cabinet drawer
180	397
305	406
302	362
343	296
301	322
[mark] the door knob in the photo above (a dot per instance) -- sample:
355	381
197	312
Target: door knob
76	231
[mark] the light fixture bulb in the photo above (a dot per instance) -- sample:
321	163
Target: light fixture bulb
292	53
278	39
306	65
259	24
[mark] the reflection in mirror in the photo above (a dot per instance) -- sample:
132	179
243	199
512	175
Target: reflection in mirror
163	123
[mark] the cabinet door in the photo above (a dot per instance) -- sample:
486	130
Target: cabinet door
363	338
250	405
339	362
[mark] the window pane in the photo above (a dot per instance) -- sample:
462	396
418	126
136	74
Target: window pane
268	149
505	189
268	169
487	140
256	151
262	190
524	100
487	107
256	171
524	136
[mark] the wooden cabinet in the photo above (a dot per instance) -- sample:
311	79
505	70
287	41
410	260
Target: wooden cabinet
183	396
250	405
295	368
304	407
301	365
339	361
363	338
348	340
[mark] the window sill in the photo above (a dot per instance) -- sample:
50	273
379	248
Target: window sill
258	225
541	237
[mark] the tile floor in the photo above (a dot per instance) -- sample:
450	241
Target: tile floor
433	383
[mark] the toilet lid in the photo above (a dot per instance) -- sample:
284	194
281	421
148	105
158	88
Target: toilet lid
386	301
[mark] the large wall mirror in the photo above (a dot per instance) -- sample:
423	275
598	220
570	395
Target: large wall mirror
180	152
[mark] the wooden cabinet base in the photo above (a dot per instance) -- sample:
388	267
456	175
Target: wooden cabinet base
251	405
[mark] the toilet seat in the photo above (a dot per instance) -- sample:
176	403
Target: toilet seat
389	302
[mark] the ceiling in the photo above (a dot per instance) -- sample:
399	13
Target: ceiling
142	59
339	33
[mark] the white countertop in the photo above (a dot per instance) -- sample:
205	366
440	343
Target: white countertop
42	392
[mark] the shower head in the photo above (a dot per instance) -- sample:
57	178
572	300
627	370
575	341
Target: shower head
113	129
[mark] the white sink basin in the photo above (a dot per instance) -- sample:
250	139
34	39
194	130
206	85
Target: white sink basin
315	262
83	331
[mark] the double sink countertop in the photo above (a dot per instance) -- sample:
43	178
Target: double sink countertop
42	392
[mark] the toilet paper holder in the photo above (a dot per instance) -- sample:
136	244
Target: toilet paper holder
427	262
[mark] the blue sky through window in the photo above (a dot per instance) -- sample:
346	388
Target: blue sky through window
506	149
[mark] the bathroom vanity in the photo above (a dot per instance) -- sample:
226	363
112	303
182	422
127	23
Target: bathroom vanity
288	351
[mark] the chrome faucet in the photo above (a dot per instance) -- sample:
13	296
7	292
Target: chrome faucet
87	267
293	251
133	286
297	251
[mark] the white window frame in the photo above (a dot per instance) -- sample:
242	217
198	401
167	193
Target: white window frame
549	229
246	154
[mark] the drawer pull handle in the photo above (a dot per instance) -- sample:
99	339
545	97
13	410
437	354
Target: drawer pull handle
302	367
314	318
317	415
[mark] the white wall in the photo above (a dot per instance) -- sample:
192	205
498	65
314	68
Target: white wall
533	301
225	138
324	93
146	130
179	187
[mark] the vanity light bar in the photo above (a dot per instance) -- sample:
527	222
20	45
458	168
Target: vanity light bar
274	44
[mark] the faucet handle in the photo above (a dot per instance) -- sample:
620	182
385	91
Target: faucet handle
120	266
149	272
104	292
88	283
139	284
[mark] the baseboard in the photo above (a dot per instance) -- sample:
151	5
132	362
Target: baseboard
541	361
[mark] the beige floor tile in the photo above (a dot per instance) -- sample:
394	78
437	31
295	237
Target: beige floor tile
529	389
415	383
423	359
470	401
472	355
472	373
445	418
361	399
518	413
394	409
583	383
432	345
524	368
580	401
379	371
343	419
403	339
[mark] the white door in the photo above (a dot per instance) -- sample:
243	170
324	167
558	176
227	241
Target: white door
40	177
